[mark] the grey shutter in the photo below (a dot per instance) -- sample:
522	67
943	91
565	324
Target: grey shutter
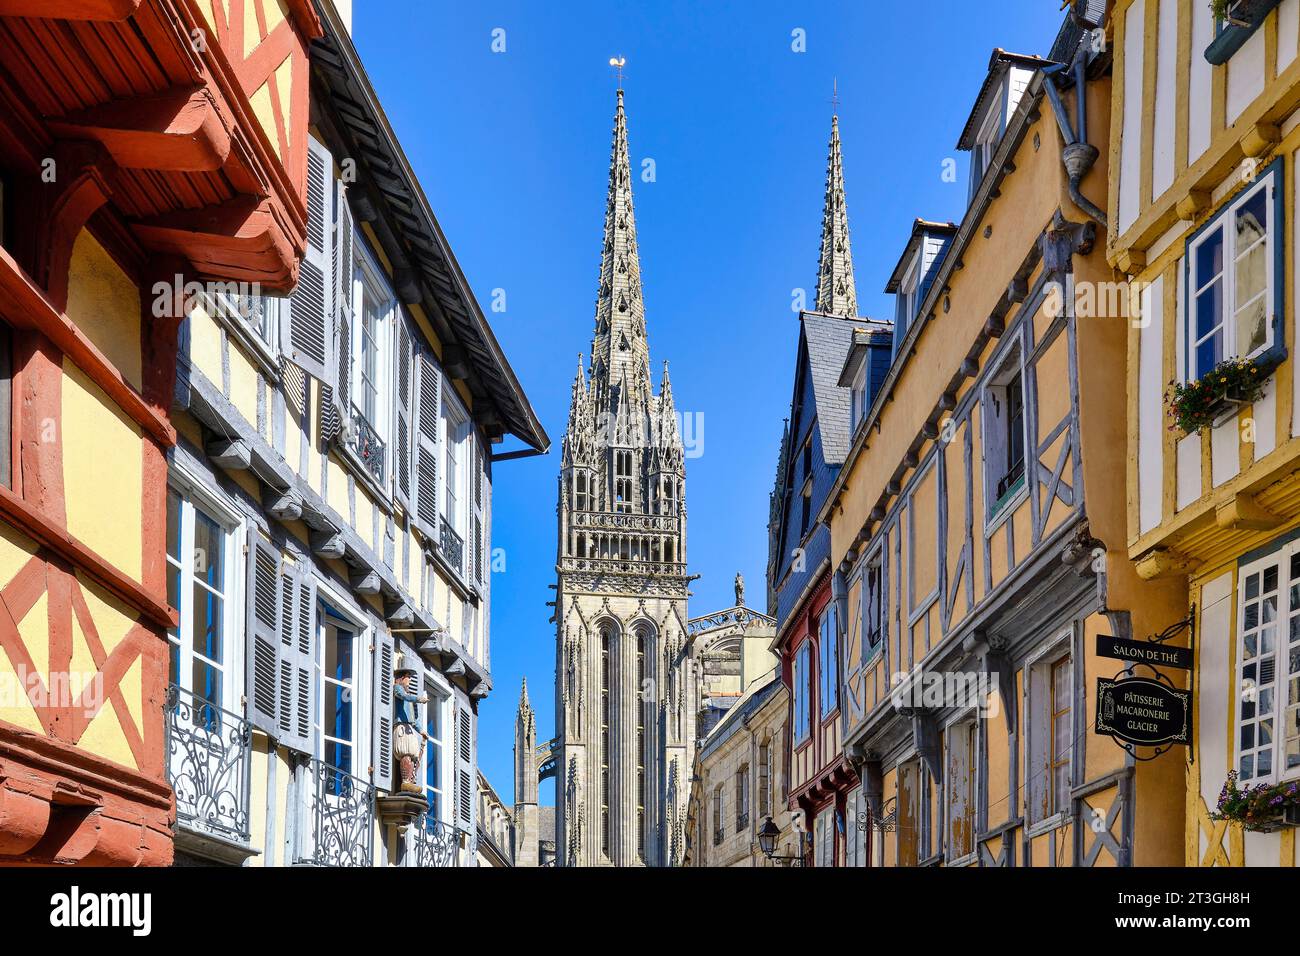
382	763
262	633
464	767
339	404
307	338
297	659
402	440
426	446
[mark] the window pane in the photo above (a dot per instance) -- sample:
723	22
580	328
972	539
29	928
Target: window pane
206	623
1252	327
338	654
209	547
1252	219
338	711
173	524
1209	258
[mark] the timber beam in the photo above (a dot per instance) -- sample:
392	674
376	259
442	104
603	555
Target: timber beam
178	130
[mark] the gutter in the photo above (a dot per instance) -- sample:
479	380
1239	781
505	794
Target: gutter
1011	140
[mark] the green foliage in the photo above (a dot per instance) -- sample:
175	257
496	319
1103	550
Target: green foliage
1194	405
1255	808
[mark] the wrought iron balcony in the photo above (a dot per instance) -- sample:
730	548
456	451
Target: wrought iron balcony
434	843
366	444
341	818
451	545
209	754
742	821
717	835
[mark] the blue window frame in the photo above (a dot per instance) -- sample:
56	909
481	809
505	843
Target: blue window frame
1235	279
802	691
828	662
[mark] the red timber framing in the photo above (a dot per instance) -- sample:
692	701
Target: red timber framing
179	144
819	776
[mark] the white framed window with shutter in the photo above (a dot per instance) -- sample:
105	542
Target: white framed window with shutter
370	344
436	772
203	584
1267	700
307	338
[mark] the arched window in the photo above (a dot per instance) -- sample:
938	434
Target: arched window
641	704
604	739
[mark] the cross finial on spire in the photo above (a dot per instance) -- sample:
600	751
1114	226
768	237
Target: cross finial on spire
618	62
836	293
835	96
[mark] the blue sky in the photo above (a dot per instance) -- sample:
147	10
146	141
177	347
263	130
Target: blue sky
513	149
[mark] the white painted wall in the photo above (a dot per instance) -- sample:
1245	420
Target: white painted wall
1245	75
1189	469
1199	87
1288	26
1130	167
1162	173
1225	450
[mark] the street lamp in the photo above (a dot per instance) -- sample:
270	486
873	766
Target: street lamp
768	834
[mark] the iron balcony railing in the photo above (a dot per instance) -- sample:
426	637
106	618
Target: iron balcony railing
451	545
717	835
367	445
434	843
209	755
742	821
341	818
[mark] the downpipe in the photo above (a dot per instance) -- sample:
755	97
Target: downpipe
1078	155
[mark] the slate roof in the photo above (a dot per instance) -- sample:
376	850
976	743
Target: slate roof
828	338
546	824
739	713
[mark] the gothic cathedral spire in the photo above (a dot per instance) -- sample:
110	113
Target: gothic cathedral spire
619	350
836	293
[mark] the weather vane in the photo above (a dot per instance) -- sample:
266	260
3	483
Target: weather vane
835	94
617	62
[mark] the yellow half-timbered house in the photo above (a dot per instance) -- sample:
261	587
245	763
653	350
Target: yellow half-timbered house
1205	135
978	521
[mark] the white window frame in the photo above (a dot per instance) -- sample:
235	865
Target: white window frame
369	279
193	494
995	436
1039	742
986	141
456	433
441	699
1247	669
858	402
1220	225
362	664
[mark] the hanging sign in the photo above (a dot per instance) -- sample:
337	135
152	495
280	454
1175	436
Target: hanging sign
1143	711
1143	652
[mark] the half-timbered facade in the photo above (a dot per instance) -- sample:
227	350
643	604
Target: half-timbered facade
141	141
1204	213
798	569
977	520
329	519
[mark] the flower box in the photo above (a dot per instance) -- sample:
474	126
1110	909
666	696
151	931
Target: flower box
1237	19
1263	808
1216	394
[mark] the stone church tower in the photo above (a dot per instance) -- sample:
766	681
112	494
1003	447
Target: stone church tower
625	711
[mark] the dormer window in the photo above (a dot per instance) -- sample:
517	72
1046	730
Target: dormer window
906	308
858	405
986	142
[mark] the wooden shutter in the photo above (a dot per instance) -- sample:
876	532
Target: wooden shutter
308	339
339	403
426	446
464	767
402	440
297	659
262	633
383	723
